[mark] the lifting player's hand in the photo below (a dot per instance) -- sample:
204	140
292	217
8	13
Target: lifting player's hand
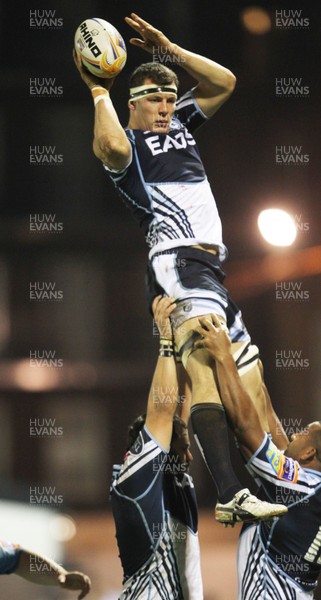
214	337
89	79
153	40
162	308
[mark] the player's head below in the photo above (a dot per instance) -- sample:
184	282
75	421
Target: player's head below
179	452
152	97
305	446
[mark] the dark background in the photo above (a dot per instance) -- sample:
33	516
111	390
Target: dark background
101	328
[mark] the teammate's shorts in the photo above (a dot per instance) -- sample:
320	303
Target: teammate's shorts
194	278
259	578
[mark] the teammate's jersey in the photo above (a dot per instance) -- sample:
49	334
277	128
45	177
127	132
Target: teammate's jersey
156	520
165	185
9	557
281	559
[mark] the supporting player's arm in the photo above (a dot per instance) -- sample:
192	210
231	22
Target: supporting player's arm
48	572
163	394
215	82
276	430
110	143
239	407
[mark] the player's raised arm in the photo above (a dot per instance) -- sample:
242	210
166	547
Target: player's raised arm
110	144
215	83
236	401
163	393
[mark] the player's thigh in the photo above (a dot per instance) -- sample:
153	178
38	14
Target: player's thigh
197	362
186	335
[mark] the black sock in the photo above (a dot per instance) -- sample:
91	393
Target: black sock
210	431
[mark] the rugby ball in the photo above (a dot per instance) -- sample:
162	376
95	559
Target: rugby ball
101	47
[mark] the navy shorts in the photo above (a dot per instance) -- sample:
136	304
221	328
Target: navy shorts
194	278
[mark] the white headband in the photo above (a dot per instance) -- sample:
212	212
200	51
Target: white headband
136	93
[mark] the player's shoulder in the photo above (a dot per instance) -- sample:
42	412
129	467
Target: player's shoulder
144	450
188	110
270	460
144	444
187	99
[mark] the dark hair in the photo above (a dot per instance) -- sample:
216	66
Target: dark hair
156	71
135	428
178	425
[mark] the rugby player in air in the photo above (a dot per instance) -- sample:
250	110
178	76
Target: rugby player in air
157	170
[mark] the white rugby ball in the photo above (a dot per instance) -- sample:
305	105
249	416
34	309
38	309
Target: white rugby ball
102	48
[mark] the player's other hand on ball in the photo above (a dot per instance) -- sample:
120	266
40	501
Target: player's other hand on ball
152	40
89	79
162	308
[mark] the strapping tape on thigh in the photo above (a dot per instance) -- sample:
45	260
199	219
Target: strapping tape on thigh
246	357
187	347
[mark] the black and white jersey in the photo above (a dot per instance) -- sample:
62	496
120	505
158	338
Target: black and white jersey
165	185
281	559
155	514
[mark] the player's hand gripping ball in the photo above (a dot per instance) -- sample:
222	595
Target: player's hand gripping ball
101	47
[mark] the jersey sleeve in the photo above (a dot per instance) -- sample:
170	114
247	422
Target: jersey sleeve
9	557
275	471
189	113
